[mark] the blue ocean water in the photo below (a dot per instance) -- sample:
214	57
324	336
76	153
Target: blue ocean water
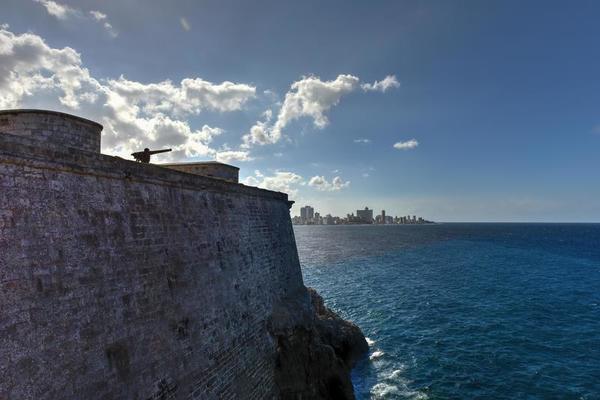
465	311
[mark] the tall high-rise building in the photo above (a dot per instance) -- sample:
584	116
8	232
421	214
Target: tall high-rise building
365	216
303	213
383	221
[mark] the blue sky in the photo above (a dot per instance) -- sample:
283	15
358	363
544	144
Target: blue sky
503	98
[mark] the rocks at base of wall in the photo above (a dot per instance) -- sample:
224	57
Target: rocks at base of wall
316	349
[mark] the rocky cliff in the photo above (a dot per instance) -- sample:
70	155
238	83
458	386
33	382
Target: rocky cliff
316	349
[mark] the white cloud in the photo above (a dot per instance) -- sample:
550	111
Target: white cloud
60	11
281	181
28	66
362	140
409	144
227	156
134	114
64	12
185	24
309	97
97	15
191	96
320	183
388	82
102	18
290	182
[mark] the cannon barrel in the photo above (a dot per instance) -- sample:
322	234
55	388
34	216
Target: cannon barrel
159	151
144	156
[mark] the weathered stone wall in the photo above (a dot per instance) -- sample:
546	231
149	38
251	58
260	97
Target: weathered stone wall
54	128
211	168
127	281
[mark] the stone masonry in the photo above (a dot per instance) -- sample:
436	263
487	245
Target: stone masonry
121	280
53	128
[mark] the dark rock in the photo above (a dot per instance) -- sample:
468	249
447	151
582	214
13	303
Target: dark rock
316	349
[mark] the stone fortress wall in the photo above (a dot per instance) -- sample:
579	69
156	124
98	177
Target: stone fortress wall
53	128
212	168
121	280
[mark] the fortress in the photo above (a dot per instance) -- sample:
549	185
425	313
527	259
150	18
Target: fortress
122	280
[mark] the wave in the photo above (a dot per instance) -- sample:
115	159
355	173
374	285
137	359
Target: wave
370	341
396	374
384	390
376	354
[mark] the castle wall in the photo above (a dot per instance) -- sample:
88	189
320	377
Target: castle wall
52	127
211	168
123	280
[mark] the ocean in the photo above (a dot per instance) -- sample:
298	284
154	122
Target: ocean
465	311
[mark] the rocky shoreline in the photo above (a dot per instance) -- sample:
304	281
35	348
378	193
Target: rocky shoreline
316	349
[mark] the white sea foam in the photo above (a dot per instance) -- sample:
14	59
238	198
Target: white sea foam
396	374
376	354
383	390
370	341
392	385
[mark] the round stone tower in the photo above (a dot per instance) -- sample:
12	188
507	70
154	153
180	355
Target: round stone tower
52	127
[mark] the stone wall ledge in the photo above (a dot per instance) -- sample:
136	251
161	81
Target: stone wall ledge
51	113
18	150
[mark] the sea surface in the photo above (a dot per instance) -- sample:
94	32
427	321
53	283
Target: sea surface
465	311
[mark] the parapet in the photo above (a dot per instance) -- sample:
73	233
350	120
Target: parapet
70	131
213	169
53	127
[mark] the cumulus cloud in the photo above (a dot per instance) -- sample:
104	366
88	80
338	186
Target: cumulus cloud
309	97
362	140
388	82
320	183
281	181
227	156
60	11
409	144
134	114
290	182
312	98
28	66
190	96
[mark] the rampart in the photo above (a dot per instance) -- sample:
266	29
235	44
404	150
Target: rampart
212	168
121	280
52	127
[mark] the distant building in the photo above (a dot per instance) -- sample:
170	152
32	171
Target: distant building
307	213
365	216
329	220
303	213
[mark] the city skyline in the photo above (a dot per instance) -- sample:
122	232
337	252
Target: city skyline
308	216
466	111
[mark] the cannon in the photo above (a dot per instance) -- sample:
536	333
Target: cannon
144	156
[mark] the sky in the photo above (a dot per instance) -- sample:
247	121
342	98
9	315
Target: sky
450	110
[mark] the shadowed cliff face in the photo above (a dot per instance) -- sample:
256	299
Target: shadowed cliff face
316	349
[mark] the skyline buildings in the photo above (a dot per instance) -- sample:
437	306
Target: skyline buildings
363	216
